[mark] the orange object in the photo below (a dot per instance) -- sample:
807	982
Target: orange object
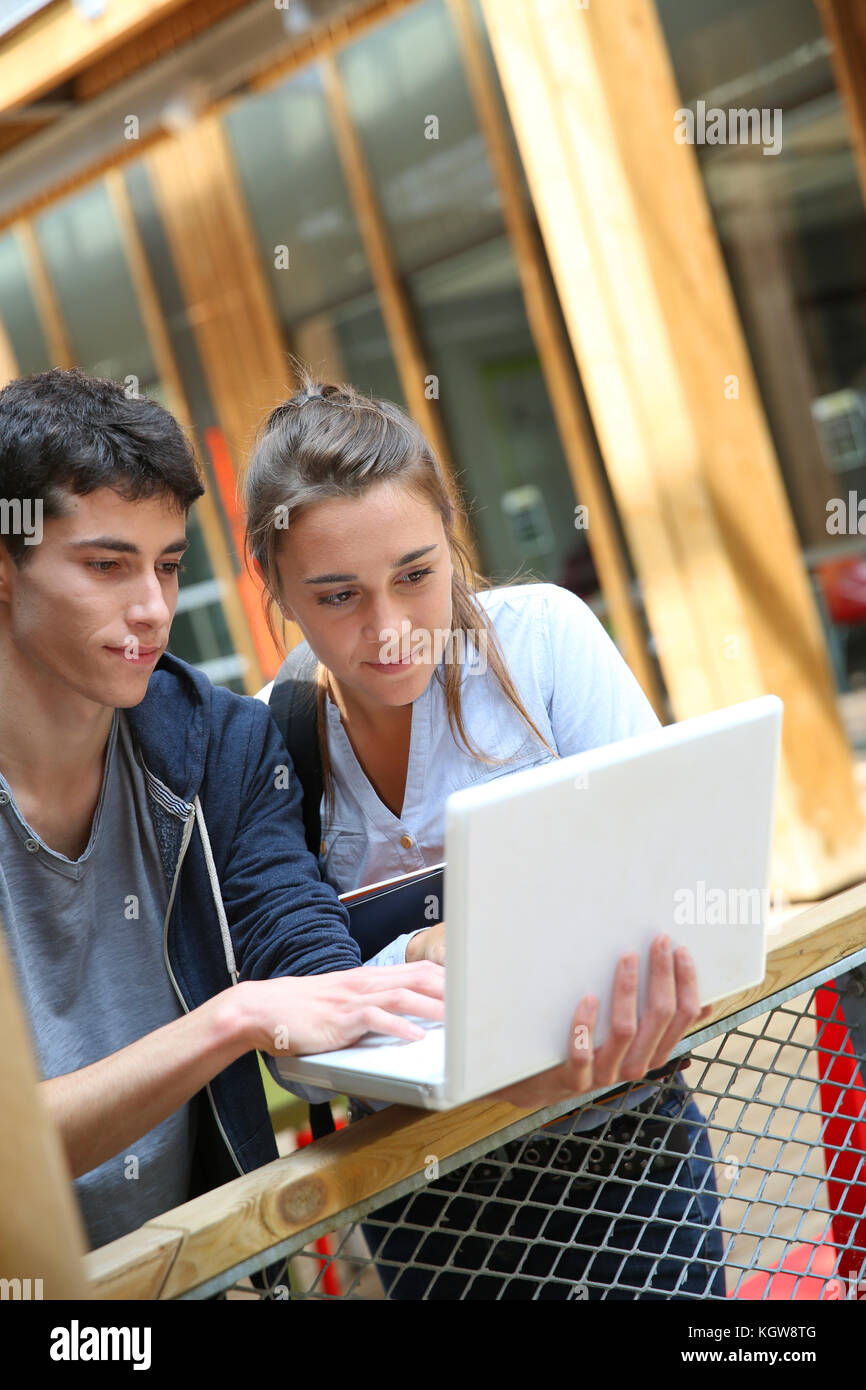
249	588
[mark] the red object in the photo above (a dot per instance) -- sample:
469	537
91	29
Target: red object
843	1105
844	586
249	587
819	1260
843	1102
330	1282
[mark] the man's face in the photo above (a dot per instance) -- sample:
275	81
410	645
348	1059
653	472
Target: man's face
354	570
91	609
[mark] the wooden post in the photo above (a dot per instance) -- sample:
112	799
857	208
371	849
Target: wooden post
41	1232
259	654
214	249
671	390
844	22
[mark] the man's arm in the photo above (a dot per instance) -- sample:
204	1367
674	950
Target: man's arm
101	1109
105	1107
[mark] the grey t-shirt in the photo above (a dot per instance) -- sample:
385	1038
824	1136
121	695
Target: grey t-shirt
86	939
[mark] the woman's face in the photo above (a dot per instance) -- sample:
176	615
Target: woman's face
368	581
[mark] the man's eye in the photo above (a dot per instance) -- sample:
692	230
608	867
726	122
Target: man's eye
173	567
98	565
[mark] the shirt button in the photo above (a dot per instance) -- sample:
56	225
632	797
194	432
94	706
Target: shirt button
406	841
5	798
32	845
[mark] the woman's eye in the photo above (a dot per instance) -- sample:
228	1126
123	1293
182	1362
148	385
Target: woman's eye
335	600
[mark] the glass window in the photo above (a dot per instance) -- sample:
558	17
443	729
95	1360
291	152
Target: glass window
495	406
414	114
85	258
18	310
290	170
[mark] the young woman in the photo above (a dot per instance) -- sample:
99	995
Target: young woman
429	680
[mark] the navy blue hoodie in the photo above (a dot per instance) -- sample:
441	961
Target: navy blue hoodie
246	898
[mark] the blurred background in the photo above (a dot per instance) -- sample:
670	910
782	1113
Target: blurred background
190	192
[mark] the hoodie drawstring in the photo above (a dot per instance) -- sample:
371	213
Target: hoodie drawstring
228	950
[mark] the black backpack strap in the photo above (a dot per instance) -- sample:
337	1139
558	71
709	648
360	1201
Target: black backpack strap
293	706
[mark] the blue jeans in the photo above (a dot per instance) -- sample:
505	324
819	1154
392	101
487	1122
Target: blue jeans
544	1233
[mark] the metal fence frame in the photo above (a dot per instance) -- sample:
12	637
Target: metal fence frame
849	970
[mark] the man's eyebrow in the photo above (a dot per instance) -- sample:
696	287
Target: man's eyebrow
126	547
341	578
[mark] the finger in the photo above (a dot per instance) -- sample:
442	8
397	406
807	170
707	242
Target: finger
661	1009
579	1072
423	976
372	1019
623	1021
407	1001
688	1009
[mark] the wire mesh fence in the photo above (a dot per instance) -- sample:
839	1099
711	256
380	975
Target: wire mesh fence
743	1176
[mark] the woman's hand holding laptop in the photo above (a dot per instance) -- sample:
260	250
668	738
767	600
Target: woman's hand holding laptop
630	1050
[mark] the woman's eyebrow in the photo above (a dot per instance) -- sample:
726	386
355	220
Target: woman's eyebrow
342	578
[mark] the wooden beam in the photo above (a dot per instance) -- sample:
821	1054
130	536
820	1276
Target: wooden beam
327	36
844	23
9	369
238	334
60	41
214	249
175	1253
555	356
206	509
394	302
42	1236
178	28
677	412
45	299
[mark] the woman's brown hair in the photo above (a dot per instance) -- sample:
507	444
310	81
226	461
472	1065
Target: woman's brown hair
332	441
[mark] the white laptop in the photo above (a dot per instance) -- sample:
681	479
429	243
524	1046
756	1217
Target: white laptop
553	872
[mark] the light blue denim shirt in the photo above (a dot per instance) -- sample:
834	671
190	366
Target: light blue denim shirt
577	689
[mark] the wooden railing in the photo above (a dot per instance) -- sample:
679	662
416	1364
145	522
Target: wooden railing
186	1248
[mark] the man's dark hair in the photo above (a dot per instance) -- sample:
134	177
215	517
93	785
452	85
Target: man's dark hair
64	432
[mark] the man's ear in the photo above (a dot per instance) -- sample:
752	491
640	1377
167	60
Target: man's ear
7	565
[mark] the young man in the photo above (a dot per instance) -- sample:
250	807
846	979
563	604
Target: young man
163	915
